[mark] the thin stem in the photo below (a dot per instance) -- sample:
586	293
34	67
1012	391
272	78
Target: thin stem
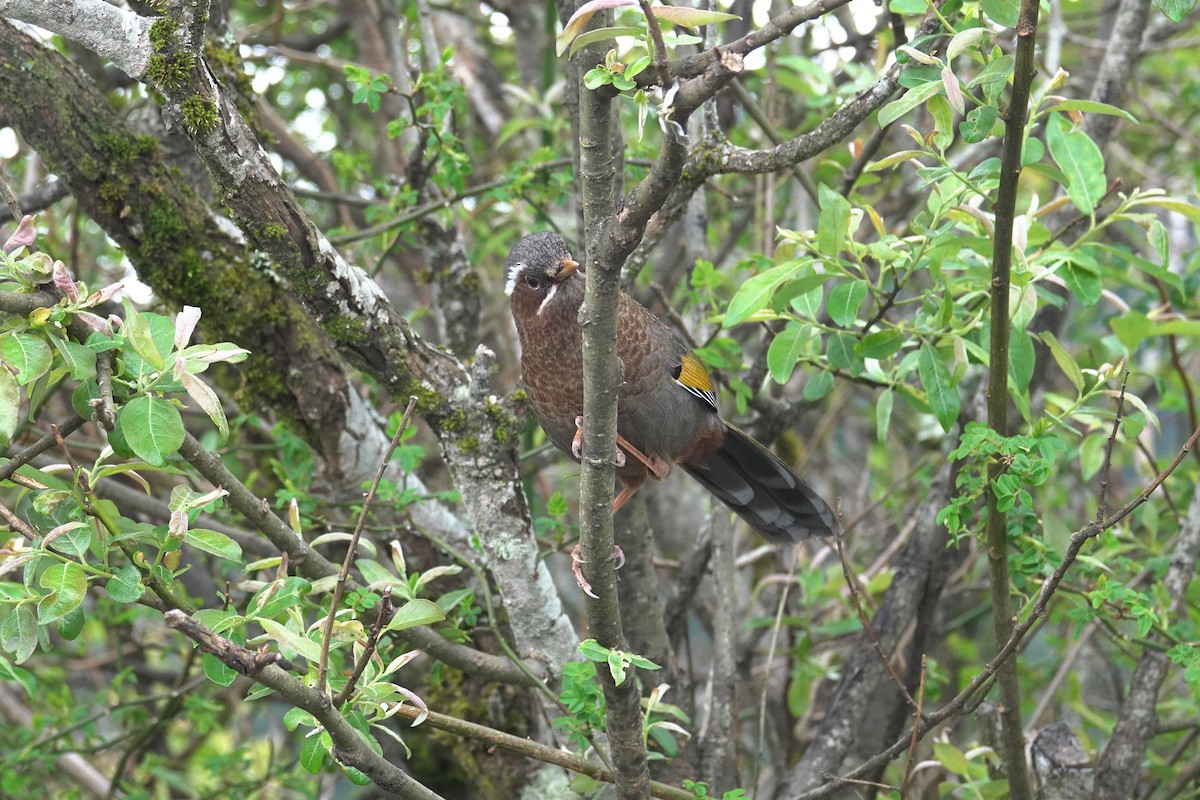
340	586
1012	735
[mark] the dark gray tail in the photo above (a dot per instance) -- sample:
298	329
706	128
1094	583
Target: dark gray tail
763	490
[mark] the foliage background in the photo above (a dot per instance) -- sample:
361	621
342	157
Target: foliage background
826	235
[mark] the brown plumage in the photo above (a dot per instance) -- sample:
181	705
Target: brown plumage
666	411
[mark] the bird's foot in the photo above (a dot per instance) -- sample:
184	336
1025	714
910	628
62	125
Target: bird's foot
577	569
659	468
577	445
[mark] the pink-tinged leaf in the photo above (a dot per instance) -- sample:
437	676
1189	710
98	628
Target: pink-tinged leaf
65	283
580	19
178	525
690	17
102	295
95	322
399	661
205	397
416	701
953	91
12	563
66	527
185	323
24	236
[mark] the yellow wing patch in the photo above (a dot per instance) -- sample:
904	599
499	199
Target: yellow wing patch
692	375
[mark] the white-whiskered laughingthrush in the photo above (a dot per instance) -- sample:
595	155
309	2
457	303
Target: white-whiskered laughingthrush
667	407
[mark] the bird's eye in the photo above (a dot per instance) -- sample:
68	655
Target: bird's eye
531	281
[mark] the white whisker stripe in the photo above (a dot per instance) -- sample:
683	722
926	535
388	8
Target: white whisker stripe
511	284
549	296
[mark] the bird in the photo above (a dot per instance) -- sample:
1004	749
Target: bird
667	410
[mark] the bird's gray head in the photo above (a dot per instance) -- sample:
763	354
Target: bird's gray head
537	265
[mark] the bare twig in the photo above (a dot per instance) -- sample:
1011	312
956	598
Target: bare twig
852	584
1108	451
352	548
10	199
661	72
40	446
912	748
386	612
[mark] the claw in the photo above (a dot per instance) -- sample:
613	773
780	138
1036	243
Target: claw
577	442
577	563
577	571
577	445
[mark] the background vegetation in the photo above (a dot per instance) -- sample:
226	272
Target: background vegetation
273	492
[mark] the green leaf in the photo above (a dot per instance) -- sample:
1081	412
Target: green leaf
217	670
757	291
880	344
125	586
893	159
839	348
617	667
1093	107
965	40
690	17
1083	283
833	222
28	354
997	70
1091	455
10	406
977	124
844	301
289	639
818	386
600	34
65	586
1175	10
911	99
80	360
1005	12
593	651
213	542
1064	360
941	393
415	613
952	759
1080	161
71	624
14	674
152	427
18	631
883	413
785	351
1020	360
312	754
140	337
1131	328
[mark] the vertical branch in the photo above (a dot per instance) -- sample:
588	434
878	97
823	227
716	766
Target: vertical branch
997	394
602	375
